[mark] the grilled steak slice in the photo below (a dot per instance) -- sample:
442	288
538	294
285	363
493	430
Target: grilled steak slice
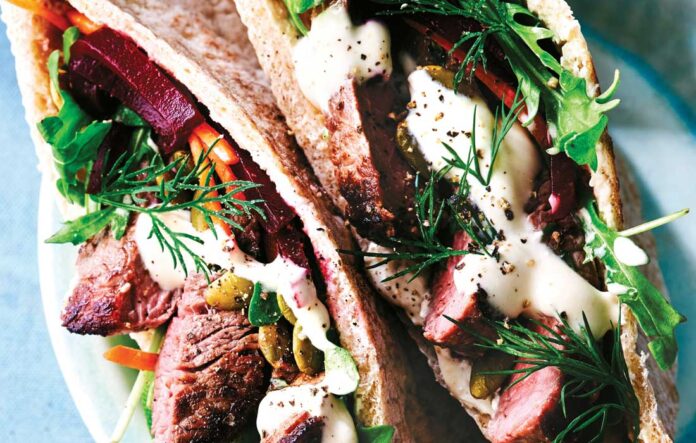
210	377
373	177
301	429
530	411
465	309
114	293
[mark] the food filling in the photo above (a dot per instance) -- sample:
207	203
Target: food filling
185	238
465	164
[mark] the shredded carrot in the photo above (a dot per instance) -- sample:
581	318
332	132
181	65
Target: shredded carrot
197	149
84	24
226	174
221	147
132	358
37	7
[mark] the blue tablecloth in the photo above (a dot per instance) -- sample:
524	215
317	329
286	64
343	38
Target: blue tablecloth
34	403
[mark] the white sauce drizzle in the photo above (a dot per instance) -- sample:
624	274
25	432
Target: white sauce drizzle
529	278
456	373
629	253
412	296
281	276
335	50
282	405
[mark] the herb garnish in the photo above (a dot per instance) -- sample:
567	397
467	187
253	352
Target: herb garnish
430	210
576	120
297	7
376	434
128	187
583	361
656	317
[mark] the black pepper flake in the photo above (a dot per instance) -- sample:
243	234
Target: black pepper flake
363	57
509	214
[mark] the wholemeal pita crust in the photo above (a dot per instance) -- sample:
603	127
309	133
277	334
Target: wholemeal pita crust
194	41
656	389
273	37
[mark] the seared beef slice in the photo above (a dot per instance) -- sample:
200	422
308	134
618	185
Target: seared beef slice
453	315
114	293
531	411
210	377
373	177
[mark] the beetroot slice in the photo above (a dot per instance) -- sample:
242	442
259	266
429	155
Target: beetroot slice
278	213
562	199
288	243
116	65
114	145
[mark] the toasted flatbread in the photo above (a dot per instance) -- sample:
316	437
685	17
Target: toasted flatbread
273	37
203	45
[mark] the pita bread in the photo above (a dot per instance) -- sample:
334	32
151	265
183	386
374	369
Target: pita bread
203	45
273	38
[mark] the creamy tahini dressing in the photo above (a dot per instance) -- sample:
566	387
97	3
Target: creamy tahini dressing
281	276
335	50
282	405
456	373
529	278
412	296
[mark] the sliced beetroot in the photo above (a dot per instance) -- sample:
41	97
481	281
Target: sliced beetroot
114	145
562	199
278	213
116	65
95	101
288	243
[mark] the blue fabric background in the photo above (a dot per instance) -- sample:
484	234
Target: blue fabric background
34	403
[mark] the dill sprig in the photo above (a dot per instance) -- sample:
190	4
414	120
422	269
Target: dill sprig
504	121
591	368
431	210
490	14
133	189
428	249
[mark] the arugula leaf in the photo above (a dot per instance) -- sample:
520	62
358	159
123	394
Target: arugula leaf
75	139
532	34
376	434
297	7
83	228
53	63
302	6
128	117
575	119
263	307
656	317
70	36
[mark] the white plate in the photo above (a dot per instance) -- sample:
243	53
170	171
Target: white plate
646	127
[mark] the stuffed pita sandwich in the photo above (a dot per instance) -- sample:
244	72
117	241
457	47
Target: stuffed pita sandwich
466	143
202	231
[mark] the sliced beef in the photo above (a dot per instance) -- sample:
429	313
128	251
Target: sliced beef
465	309
210	377
373	176
530	411
300	429
114	293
